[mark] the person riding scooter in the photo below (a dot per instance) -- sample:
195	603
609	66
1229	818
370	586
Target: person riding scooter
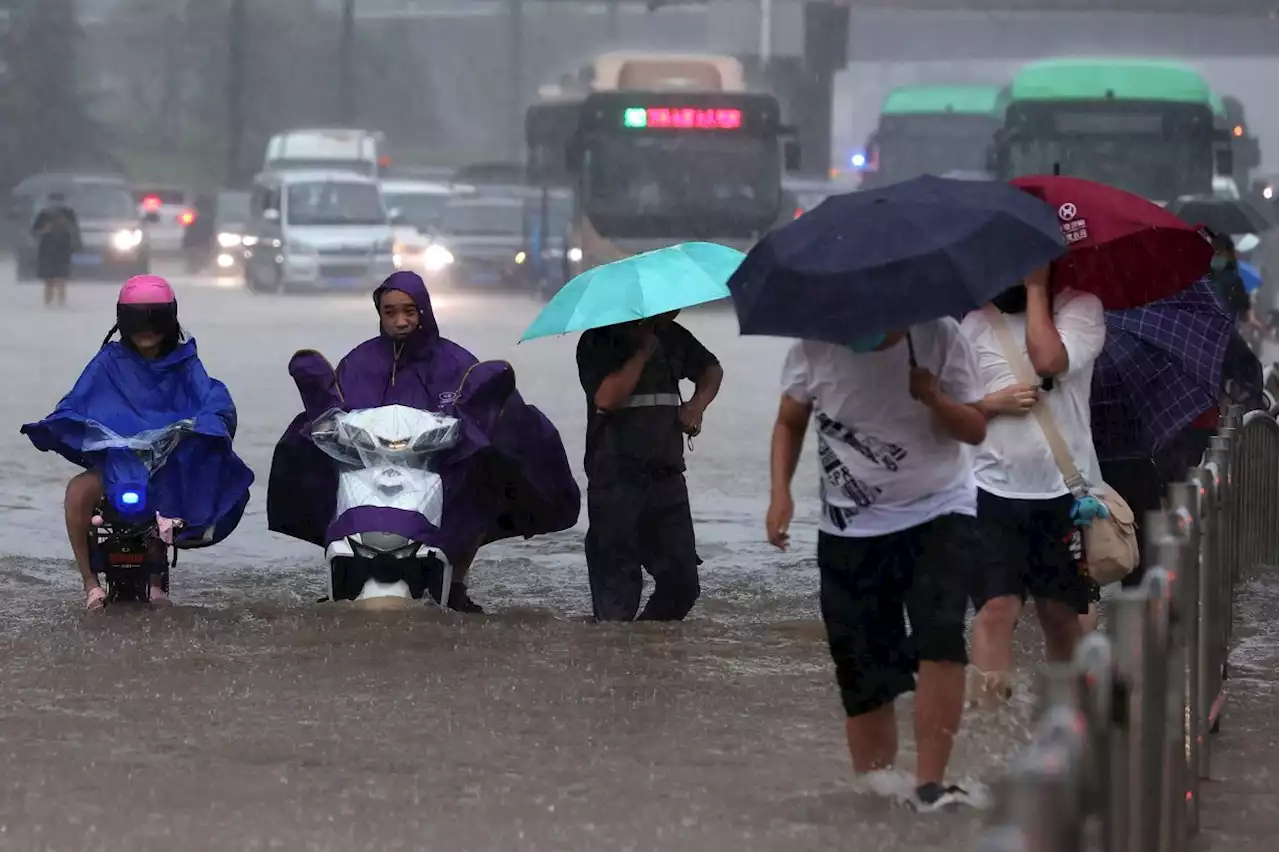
507	474
150	379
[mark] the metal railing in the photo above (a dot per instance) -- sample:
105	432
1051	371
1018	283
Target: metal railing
1123	737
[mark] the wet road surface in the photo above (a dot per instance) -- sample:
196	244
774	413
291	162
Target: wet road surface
250	718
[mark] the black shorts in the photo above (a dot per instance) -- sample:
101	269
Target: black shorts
1026	549
866	585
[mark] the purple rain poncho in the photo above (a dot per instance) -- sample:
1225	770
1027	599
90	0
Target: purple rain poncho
507	476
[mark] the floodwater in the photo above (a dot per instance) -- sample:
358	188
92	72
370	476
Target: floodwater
249	717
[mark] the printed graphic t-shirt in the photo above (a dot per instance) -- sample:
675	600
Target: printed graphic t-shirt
885	463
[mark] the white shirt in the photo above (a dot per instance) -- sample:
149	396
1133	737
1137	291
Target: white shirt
1015	461
886	464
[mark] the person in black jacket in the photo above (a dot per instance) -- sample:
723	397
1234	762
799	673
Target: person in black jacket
637	500
57	236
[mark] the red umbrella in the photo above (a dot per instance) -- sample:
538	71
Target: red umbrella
1124	249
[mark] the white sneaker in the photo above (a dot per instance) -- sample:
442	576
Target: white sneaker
933	797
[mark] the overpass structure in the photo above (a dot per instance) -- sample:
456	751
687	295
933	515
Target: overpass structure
1246	8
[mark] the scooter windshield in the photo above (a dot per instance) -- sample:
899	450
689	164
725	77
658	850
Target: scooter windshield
390	434
151	447
387	455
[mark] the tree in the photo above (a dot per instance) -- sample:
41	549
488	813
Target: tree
45	124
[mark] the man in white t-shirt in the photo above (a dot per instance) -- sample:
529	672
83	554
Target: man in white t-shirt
1030	544
893	413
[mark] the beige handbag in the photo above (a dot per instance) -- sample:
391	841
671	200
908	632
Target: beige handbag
1111	543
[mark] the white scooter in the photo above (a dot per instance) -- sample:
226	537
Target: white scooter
385	460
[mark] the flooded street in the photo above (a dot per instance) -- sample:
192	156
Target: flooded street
249	717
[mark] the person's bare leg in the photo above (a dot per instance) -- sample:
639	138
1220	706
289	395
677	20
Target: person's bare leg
60	290
873	739
157	596
939	704
1062	630
1089	621
48	293
992	653
84	491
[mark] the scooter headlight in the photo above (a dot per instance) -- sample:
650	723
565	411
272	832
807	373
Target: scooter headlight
130	499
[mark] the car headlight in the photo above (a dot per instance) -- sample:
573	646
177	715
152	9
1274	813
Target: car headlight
228	240
521	257
126	240
249	241
437	257
574	254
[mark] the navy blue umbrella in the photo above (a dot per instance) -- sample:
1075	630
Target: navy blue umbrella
1162	366
883	259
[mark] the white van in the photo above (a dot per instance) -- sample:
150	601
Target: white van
317	230
325	148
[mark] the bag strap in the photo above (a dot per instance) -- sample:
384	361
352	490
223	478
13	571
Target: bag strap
1025	373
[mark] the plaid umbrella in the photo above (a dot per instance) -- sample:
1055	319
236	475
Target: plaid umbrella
1160	369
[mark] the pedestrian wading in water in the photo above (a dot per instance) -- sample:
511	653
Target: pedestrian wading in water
57	236
637	500
893	414
1031	544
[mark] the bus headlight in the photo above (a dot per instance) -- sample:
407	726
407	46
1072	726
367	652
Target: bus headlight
574	254
520	257
126	241
227	240
436	258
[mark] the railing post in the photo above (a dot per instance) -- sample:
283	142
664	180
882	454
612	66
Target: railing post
1183	505
1044	801
1097	688
1166	543
1129	796
1219	454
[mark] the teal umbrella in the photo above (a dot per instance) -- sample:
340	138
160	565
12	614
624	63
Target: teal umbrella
638	287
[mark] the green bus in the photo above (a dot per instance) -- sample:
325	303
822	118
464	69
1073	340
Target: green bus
931	130
1152	127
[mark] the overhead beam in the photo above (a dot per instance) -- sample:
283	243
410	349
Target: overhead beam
1265	9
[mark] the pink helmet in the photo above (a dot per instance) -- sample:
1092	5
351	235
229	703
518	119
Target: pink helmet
146	290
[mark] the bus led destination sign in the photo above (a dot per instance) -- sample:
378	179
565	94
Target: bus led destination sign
681	118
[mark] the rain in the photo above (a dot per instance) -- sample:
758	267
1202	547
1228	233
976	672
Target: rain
252	717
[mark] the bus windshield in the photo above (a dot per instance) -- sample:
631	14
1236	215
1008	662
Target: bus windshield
659	186
908	154
1157	168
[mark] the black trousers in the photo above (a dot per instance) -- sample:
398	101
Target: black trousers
641	521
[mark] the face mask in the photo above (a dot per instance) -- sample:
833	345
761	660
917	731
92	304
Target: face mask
1012	301
867	343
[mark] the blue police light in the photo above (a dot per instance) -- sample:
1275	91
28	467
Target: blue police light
858	160
129	498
